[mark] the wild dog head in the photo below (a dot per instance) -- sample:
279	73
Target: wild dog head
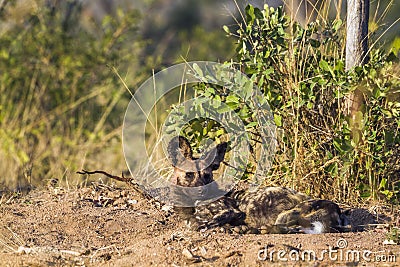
190	171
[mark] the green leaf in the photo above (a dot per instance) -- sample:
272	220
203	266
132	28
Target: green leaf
210	125
251	124
223	109
258	14
247	89
220	132
250	13
278	120
232	99
226	29
343	146
337	24
339	66
324	65
333	169
387	113
210	90
383	183
196	126
198	70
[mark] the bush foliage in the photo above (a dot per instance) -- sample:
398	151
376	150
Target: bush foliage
301	72
61	100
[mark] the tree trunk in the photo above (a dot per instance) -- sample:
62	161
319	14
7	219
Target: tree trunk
356	55
357	33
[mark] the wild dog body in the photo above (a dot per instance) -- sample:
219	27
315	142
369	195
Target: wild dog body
263	206
283	210
277	209
315	216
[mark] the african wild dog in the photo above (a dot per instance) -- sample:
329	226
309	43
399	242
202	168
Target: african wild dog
276	209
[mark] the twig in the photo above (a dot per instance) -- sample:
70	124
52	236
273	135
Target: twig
236	168
118	178
129	181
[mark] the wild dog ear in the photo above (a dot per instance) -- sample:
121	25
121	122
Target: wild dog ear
179	150
218	153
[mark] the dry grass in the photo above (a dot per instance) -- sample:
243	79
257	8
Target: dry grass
61	106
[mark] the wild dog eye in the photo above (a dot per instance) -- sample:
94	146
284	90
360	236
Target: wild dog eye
189	176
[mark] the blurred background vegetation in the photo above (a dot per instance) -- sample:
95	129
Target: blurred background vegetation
61	102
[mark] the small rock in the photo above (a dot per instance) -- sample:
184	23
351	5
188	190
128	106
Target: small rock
236	229
244	229
232	253
389	242
167	208
189	256
24	250
187	253
118	202
132	201
203	251
263	232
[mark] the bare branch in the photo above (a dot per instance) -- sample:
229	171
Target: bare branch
128	180
118	178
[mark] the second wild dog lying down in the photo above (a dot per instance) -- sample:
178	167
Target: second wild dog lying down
274	209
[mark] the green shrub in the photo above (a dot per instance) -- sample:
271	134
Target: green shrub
302	75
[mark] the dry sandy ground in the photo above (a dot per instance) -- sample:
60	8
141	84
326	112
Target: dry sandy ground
108	226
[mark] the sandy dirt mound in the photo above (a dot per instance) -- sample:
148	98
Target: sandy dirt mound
107	226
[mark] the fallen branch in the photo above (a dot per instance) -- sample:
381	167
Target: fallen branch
128	180
118	178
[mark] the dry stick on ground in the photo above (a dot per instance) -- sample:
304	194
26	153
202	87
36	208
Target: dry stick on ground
128	180
118	178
